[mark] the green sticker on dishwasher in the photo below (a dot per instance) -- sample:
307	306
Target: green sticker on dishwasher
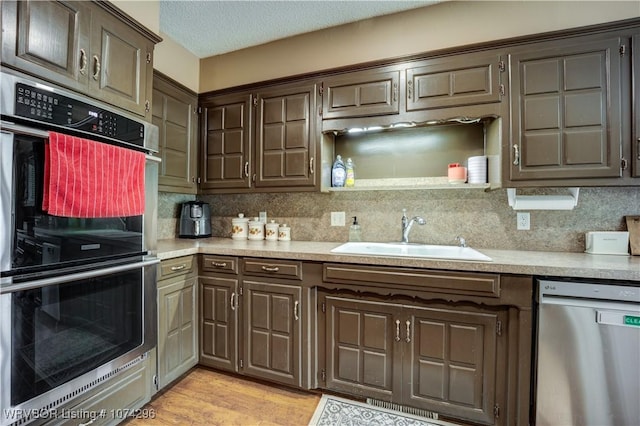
632	320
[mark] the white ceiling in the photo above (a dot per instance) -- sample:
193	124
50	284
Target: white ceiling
214	27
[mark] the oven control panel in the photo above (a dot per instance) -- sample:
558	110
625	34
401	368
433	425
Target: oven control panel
45	106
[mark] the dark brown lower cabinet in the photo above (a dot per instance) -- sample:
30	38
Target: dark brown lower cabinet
177	319
218	322
437	358
252	325
272	341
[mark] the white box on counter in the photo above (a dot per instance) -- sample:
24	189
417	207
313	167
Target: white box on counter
603	242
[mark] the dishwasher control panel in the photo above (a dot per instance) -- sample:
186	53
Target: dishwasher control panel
589	290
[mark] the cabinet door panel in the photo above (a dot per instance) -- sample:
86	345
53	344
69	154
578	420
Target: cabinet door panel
360	94
362	356
218	326
286	137
450	364
566	106
176	329
174	114
466	80
48	39
272	343
226	138
118	69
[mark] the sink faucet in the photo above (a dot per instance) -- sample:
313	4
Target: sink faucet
407	224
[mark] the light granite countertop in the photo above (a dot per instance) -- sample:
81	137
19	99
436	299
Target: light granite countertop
576	265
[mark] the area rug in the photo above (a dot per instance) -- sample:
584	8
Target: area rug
335	411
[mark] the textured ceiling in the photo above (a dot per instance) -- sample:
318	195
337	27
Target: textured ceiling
214	27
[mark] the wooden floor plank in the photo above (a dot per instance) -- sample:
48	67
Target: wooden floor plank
208	397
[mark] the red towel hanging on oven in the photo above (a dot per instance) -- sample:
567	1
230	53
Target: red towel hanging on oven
84	178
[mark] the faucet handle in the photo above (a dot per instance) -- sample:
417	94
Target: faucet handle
461	241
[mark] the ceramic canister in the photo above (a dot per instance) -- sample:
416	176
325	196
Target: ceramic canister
284	233
239	227
271	231
256	229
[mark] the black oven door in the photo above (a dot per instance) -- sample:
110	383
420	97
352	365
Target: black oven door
65	334
38	243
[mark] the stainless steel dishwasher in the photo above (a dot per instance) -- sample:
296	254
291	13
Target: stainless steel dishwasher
588	354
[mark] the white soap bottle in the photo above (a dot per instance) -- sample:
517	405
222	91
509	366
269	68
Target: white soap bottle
354	231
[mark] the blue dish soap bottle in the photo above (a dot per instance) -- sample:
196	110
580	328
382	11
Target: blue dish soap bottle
338	173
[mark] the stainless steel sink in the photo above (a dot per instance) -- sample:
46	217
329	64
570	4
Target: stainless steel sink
412	250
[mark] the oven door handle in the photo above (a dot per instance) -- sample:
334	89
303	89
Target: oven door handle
79	276
23	130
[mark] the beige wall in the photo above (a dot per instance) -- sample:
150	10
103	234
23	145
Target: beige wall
435	27
170	58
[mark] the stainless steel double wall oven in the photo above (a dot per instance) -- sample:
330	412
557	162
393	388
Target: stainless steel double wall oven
77	295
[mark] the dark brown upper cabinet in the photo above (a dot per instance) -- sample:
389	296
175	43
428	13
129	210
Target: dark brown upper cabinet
175	113
226	142
90	47
285	137
264	141
457	81
362	93
567	110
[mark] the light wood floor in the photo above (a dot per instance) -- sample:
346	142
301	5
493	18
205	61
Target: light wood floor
207	397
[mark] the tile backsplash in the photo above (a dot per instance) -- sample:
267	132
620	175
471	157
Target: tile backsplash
484	219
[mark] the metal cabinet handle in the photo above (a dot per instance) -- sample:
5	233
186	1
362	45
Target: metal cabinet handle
96	67
516	155
409	89
397	330
232	302
147	106
83	62
246	169
311	165
295	310
270	268
178	267
408	338
395	92
219	264
638	150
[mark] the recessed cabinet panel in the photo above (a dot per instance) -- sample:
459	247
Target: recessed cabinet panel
226	142
286	137
450	365
177	320
451	82
566	107
218	322
360	347
118	66
174	113
48	39
359	94
272	331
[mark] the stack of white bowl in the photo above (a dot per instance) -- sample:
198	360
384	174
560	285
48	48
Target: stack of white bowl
477	169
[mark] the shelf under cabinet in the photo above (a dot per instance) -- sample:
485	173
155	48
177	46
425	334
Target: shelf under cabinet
406	184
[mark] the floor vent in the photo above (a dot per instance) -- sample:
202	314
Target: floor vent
403	408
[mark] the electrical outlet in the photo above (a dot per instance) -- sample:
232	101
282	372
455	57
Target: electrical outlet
337	219
523	221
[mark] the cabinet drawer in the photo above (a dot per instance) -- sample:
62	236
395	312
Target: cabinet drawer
272	268
175	267
486	285
228	265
